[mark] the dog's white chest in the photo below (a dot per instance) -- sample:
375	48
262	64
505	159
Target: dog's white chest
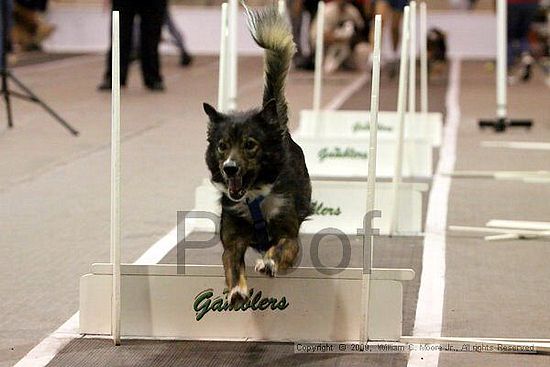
271	206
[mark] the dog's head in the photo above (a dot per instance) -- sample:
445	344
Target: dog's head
437	45
245	150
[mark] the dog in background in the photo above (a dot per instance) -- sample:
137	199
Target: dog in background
259	169
437	51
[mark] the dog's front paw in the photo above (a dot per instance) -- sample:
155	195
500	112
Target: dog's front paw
237	296
267	267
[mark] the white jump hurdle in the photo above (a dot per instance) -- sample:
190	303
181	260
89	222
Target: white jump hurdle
355	123
332	140
346	158
348	123
341	204
157	301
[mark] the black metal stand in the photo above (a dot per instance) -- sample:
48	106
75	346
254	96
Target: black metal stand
8	76
501	124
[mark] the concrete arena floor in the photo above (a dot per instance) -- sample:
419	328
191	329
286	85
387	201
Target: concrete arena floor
491	290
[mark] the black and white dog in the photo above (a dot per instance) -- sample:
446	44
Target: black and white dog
437	51
260	170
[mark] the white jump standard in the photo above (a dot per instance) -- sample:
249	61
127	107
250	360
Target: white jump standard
502	121
115	183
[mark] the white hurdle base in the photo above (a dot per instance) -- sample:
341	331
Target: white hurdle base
509	230
331	157
350	123
342	205
305	305
524	176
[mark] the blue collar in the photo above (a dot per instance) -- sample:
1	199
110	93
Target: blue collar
260	224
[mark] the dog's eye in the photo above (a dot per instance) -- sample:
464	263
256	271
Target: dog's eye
250	145
222	147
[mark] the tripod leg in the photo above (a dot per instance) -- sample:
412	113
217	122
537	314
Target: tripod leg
48	109
6	94
8	109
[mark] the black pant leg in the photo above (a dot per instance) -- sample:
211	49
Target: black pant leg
127	13
152	17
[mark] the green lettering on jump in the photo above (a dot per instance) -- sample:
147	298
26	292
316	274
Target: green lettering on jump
363	125
319	208
339	153
206	302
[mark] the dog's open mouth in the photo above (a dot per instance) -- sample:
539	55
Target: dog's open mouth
235	188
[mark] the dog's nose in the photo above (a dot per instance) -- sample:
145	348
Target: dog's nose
230	168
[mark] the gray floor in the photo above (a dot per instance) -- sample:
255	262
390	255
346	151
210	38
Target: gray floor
491	289
497	289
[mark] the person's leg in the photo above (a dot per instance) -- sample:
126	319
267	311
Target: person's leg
513	24
397	12
152	17
126	24
296	9
383	8
127	16
177	39
135	51
527	12
8	37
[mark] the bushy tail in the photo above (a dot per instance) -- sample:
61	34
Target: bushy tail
272	32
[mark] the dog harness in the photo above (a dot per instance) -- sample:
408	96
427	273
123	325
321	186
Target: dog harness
260	224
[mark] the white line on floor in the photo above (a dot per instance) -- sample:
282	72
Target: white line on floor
47	349
44	352
349	91
429	309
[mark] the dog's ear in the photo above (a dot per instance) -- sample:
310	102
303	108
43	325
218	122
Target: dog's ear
212	113
269	112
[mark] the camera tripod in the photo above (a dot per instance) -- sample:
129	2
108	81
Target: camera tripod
7	76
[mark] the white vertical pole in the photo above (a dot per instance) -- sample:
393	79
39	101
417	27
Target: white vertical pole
281	6
319	44
222	71
233	55
371	178
115	179
401	106
423	61
412	62
501	58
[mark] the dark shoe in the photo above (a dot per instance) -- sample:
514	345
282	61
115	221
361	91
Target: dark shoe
304	63
106	85
185	59
393	69
157	86
525	68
